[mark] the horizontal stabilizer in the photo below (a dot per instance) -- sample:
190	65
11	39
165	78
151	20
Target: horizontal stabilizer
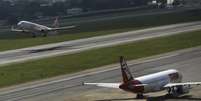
16	30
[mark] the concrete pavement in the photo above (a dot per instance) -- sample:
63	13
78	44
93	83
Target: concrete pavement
69	47
70	88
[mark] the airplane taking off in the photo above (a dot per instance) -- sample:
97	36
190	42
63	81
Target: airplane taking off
34	28
170	80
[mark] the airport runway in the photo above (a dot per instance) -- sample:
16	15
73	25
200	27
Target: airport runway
70	47
70	88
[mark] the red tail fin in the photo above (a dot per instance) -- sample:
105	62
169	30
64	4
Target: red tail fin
126	74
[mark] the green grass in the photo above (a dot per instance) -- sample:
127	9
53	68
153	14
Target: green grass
89	29
7	44
60	65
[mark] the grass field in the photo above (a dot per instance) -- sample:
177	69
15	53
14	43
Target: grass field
50	67
100	27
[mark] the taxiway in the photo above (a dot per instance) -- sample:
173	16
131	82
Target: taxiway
75	46
70	88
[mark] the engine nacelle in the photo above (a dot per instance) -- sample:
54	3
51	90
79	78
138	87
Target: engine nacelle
183	89
186	88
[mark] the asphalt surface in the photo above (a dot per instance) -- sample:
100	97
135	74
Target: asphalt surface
70	88
75	46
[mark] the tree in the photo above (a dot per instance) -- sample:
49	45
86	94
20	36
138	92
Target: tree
5	9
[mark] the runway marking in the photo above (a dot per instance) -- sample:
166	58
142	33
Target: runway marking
33	90
88	74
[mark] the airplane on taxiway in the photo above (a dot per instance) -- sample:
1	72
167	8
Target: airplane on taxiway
35	29
170	80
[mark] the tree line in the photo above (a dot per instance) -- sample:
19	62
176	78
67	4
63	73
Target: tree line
32	9
26	9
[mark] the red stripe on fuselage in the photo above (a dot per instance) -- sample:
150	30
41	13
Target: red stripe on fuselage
131	86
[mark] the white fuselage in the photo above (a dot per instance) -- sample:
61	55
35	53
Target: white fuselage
32	27
157	81
153	82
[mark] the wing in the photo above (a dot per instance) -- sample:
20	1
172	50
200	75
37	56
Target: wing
62	28
107	85
17	30
182	84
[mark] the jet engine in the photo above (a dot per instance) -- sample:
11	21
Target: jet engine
182	89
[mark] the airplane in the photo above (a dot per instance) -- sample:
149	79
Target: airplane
34	28
170	80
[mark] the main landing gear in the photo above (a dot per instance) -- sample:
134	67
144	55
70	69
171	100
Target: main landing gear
33	35
172	91
45	35
139	96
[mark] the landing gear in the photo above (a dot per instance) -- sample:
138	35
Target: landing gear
45	34
172	91
169	91
139	96
33	35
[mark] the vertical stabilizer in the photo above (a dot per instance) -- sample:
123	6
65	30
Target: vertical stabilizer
56	23
126	74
